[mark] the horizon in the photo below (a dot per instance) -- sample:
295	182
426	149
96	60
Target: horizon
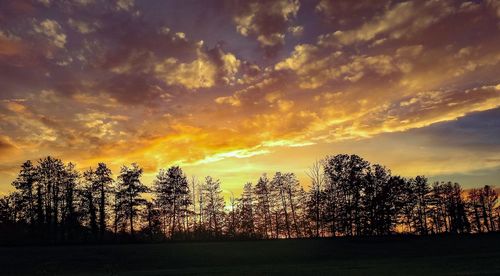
237	89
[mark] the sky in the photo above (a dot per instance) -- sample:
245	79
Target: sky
234	89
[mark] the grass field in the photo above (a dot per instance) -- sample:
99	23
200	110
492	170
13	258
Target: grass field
443	255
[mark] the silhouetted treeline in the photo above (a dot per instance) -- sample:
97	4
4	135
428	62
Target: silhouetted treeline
347	196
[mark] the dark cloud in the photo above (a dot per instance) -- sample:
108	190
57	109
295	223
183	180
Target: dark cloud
266	21
133	88
343	13
476	131
95	48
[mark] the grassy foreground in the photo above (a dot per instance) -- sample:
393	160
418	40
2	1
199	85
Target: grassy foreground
443	255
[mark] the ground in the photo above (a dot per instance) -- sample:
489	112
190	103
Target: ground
436	255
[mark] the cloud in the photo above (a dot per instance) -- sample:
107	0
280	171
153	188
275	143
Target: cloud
475	132
231	100
315	67
346	12
84	2
267	21
254	93
205	71
124	5
429	107
131	57
52	30
82	26
200	73
230	67
100	124
402	19
296	31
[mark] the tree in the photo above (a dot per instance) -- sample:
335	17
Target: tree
456	208
409	201
448	208
262	194
246	216
25	185
45	197
231	216
316	196
88	201
173	196
474	203
286	191
50	175
293	191
201	206
347	177
279	185
70	216
152	218
488	199
213	206
391	201
376	201
6	210
130	190
103	181
421	189
118	211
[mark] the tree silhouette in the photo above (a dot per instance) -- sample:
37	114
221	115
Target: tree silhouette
316	197
103	182
173	197
421	191
70	216
246	215
88	201
24	184
151	215
129	193
54	202
213	206
348	174
262	210
51	173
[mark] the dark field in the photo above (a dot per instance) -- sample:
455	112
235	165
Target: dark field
438	255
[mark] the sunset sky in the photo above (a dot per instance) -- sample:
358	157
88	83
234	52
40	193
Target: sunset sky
233	89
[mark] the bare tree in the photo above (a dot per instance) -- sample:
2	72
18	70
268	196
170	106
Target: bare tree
316	195
213	206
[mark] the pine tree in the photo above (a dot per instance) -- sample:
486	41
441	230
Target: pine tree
130	190
25	185
103	182
172	193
